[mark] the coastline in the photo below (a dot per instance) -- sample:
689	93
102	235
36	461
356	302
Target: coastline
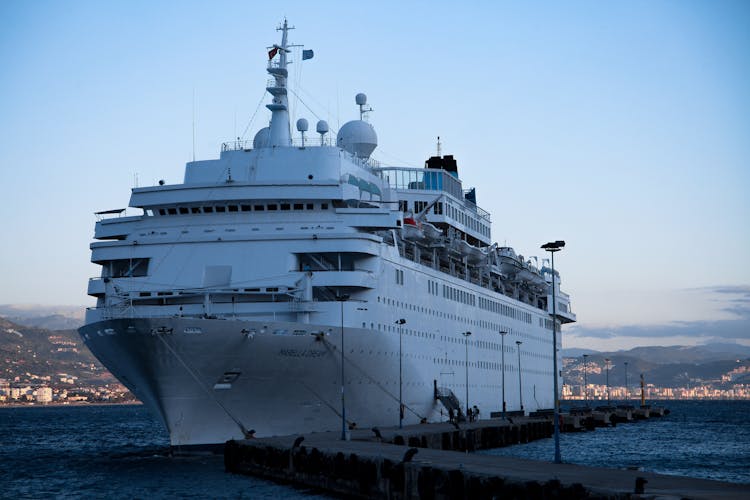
70	404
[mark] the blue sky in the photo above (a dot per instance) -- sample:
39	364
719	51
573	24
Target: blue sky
620	127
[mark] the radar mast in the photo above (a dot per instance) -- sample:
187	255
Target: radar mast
279	134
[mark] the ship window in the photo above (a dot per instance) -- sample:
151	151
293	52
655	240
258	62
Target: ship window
324	206
298	206
245	208
208	210
272	206
221	208
195	210
403	205
172	211
259	208
124	268
310	206
162	212
183	210
232	208
285	206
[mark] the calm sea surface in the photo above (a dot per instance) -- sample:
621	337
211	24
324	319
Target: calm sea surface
122	452
113	452
702	439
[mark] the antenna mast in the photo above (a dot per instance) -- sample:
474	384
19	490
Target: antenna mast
279	131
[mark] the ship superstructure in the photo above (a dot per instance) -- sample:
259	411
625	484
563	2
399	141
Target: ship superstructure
225	305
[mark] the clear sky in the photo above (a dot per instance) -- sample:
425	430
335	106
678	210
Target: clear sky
620	127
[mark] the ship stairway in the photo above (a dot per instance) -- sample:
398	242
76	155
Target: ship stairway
450	401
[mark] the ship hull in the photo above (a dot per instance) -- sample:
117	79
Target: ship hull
212	380
237	376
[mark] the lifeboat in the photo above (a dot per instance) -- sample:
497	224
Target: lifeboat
412	230
474	255
509	263
431	232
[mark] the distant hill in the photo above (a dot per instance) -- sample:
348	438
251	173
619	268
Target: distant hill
575	352
672	366
691	354
41	352
47	317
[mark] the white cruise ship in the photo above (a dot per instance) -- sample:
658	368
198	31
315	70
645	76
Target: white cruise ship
295	285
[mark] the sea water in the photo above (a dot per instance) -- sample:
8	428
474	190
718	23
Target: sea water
701	439
111	452
123	452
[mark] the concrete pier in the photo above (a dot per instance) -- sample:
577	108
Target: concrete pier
428	466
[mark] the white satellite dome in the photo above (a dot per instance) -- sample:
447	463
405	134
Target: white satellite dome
261	138
358	138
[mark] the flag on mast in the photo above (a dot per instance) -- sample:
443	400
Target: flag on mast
307	54
272	53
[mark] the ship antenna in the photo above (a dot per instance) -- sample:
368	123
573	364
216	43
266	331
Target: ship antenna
361	100
193	123
438	146
279	130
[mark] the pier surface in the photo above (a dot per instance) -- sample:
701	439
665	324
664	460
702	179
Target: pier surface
368	466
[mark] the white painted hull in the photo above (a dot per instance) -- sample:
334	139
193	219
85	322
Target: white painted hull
290	382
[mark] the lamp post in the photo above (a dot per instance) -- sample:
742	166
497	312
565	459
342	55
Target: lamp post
585	382
341	299
552	247
520	391
503	333
627	392
400	324
466	341
606	360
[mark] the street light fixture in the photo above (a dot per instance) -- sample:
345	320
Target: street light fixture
585	382
503	333
520	391
606	360
466	341
552	247
400	324
341	299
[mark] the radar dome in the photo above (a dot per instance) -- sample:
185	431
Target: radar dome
302	125
360	99
322	127
261	138
358	138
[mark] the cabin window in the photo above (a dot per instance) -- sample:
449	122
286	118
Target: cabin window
162	212
183	210
272	206
259	208
195	210
208	210
324	206
310	206
232	208
172	211
245	208
285	206
221	208
298	206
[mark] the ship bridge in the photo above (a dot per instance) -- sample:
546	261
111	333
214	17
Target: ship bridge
439	193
